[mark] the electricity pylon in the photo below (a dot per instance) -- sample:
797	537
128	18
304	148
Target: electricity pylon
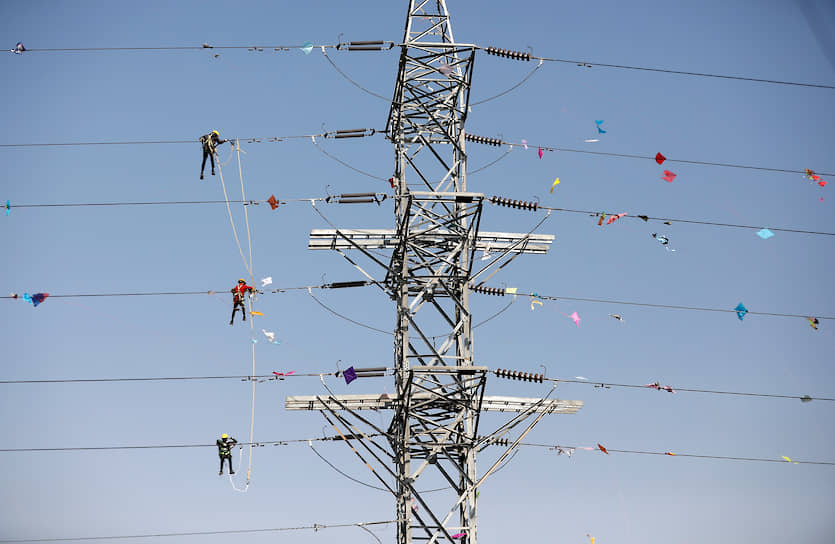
439	392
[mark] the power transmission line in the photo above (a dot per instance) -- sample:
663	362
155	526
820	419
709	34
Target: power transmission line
315	527
172	446
519	55
501	292
559	447
273	377
349	437
536	378
169	378
383	196
337	199
203	47
694	222
498	142
334	134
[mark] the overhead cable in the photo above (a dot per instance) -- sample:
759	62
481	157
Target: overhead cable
504	373
205	46
334	134
496	142
526	56
261	443
538	378
558	447
355	437
534	206
344	198
314	527
668	306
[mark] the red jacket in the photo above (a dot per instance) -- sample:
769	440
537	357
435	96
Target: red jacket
239	290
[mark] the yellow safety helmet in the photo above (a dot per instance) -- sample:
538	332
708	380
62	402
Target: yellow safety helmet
224	435
241	280
216	133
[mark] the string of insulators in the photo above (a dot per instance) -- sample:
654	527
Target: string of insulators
507	53
350	133
510	203
516	375
495	291
356	198
495	441
482	139
370	372
344	284
374	45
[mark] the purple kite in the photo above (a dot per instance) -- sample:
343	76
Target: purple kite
349	374
37	298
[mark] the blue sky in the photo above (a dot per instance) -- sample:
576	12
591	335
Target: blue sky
116	96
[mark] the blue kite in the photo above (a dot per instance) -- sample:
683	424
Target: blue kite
741	310
600	130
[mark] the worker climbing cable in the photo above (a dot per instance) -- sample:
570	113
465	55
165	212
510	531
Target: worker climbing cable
210	142
238	293
224	450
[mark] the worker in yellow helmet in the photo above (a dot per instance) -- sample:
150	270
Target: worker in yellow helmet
224	449
210	142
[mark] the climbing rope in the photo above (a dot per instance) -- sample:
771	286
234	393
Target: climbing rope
251	319
231	221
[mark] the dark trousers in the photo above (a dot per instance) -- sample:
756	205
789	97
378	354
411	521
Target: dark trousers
207	153
238	303
227	456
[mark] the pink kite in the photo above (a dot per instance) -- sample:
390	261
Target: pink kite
613	218
659	158
668	389
540	152
576	319
525	143
668	176
282	374
459	535
655	386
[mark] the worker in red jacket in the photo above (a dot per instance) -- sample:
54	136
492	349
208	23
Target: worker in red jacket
238	298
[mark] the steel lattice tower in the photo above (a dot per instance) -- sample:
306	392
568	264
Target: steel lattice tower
439	392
